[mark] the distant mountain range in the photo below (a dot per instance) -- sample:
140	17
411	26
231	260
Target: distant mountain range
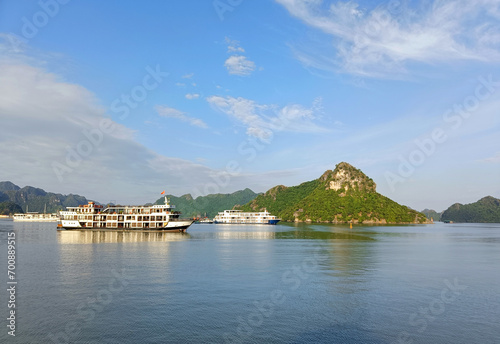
431	214
486	210
14	199
340	196
209	205
34	199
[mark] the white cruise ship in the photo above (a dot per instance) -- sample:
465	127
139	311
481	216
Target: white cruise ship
36	217
147	218
240	217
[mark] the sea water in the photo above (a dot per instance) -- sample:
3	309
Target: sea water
287	283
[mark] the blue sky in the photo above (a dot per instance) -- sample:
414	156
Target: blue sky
120	100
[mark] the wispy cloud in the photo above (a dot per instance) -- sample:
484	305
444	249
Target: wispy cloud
44	120
494	159
192	96
188	76
169	112
47	122
238	64
233	46
262	120
382	42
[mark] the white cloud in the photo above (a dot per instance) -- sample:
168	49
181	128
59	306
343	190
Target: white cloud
188	76
234	46
192	96
385	40
47	123
239	65
43	118
262	120
165	111
494	159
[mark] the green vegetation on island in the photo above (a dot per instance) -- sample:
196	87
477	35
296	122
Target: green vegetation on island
345	195
9	208
37	200
432	214
208	205
486	210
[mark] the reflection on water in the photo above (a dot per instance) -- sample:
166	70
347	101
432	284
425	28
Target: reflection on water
244	235
266	232
348	259
332	234
92	237
303	235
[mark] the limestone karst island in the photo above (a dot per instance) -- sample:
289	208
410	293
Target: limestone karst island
344	195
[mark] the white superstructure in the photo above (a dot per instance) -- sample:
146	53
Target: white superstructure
240	217
36	217
94	216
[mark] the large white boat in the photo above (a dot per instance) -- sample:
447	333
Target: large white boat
36	217
146	218
240	217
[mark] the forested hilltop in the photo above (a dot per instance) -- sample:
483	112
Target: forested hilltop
8	208
485	210
343	195
208	205
432	214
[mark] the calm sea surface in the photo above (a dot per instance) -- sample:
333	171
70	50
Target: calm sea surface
255	284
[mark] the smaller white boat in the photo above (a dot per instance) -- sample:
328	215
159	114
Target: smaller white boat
36	217
205	220
240	217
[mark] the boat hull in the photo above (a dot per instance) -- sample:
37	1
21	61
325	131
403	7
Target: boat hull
171	226
270	222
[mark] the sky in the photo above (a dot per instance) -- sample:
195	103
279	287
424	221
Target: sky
120	100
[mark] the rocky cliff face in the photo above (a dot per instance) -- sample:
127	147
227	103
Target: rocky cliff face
274	191
346	177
